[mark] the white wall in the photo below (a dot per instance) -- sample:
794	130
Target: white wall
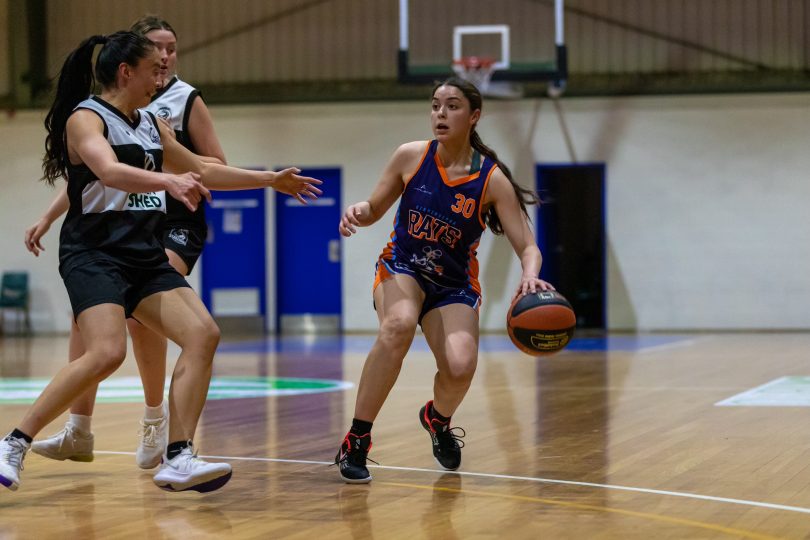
707	198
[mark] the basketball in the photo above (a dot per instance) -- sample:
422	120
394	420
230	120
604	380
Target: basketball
541	323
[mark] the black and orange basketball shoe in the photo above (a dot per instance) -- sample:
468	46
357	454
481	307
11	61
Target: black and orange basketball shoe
351	458
447	443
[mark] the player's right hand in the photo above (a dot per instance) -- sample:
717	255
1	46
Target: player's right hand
356	215
34	234
187	189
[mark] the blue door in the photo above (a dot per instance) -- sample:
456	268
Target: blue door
234	262
308	270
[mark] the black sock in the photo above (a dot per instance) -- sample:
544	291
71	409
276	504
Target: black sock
434	414
175	448
360	427
17	434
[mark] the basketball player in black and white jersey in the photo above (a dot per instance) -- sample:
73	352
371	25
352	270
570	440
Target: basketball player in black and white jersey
110	258
183	235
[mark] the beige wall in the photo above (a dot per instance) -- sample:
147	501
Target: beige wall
707	198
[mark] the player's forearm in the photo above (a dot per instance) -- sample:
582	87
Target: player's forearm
224	178
531	260
133	180
58	206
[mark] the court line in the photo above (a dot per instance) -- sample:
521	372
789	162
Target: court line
742	502
632	513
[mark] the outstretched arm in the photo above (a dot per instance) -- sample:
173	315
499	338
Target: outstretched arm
403	162
87	144
219	177
35	232
501	194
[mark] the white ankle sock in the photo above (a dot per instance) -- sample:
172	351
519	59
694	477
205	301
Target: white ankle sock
81	423
154	413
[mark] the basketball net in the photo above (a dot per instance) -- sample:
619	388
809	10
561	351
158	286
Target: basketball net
478	70
475	69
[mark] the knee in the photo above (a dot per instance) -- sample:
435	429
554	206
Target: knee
460	373
397	331
212	335
106	358
205	337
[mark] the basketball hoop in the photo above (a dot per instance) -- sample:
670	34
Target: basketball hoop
475	69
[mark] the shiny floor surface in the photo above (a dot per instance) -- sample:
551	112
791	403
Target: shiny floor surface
625	436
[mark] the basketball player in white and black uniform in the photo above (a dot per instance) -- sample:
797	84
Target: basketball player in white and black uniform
182	234
113	264
108	243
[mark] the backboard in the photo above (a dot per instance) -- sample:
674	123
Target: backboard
523	37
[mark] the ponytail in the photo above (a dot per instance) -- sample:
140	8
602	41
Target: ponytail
75	84
77	81
525	196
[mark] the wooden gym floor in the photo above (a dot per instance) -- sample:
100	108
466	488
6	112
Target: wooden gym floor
617	437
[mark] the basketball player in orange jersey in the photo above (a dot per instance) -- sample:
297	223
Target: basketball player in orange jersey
451	189
113	264
183	234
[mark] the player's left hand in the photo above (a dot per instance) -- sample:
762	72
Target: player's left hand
531	284
290	182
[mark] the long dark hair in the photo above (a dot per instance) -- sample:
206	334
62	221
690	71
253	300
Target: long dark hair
525	196
77	82
147	23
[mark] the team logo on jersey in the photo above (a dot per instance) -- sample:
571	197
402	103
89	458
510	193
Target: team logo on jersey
153	136
149	162
164	112
146	201
179	236
431	228
423	189
426	261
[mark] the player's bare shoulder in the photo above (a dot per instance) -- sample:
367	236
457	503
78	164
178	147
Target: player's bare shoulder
84	119
408	156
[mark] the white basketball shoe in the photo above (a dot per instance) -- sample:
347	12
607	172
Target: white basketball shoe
154	439
12	454
69	443
186	471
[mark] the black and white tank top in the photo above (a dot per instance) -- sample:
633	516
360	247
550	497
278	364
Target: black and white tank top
107	223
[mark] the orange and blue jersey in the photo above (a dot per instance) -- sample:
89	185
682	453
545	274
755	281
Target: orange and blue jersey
439	224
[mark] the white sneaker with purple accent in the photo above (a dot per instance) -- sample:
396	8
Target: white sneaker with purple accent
186	471
12	454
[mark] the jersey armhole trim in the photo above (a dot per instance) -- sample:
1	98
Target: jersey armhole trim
187	111
484	196
421	161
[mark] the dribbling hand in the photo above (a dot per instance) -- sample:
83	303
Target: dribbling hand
531	285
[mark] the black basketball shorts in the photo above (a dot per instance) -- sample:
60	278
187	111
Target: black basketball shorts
187	243
104	281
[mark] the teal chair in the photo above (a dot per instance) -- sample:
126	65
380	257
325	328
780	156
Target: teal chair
14	295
